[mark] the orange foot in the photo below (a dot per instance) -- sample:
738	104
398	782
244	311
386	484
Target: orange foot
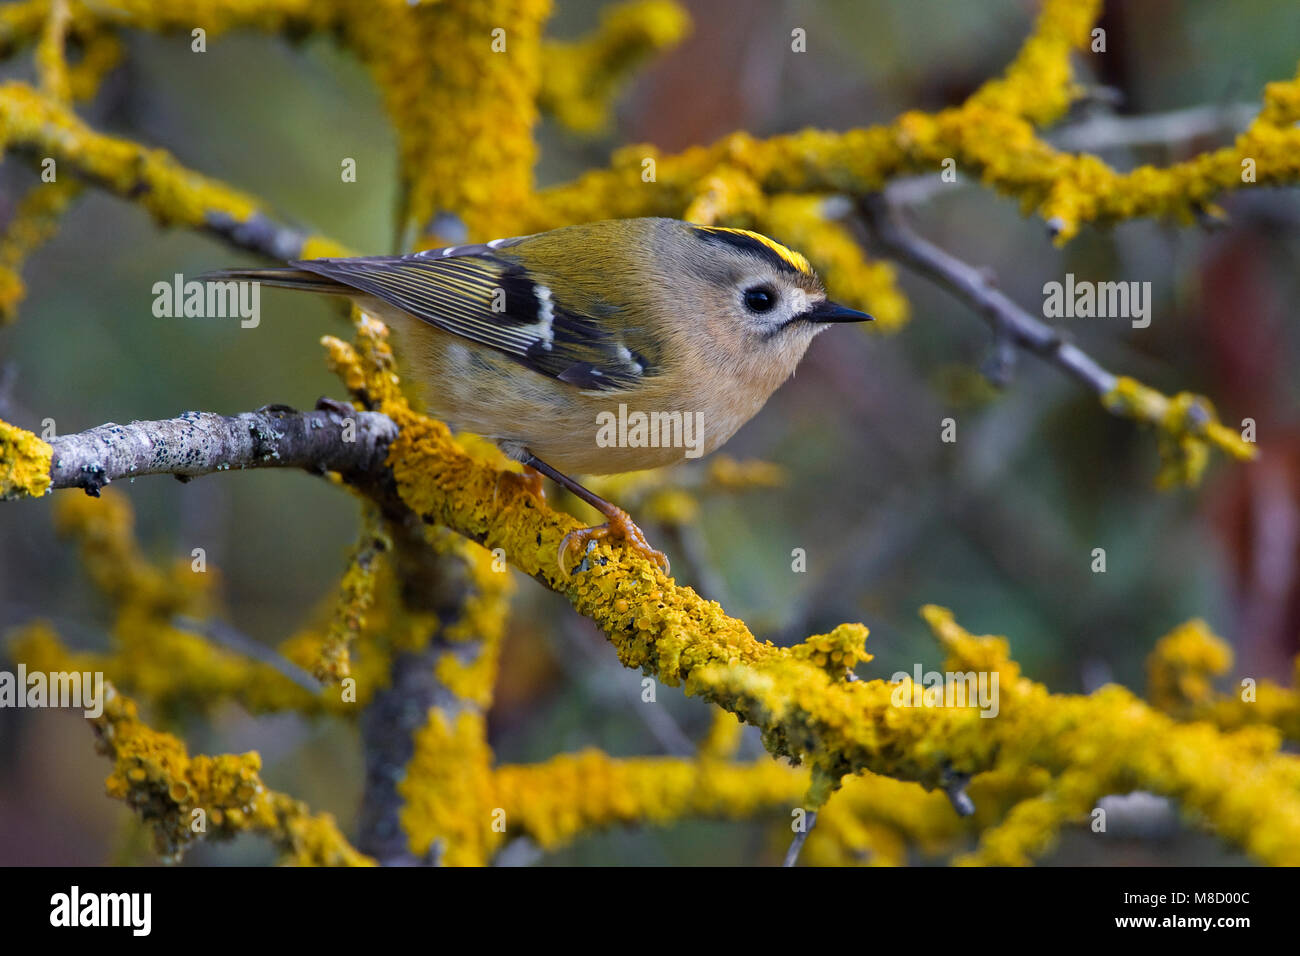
530	481
619	526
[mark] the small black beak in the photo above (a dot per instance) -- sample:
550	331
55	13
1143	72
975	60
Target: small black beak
828	311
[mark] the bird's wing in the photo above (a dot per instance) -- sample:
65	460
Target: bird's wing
473	292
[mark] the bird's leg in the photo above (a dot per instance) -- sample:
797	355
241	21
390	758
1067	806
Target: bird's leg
530	481
618	523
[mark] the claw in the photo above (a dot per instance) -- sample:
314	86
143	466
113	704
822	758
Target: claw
620	526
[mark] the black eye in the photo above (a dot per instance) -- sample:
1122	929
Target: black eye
760	299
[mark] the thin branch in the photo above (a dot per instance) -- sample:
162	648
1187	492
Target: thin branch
974	286
42	126
605	679
796	845
955	787
521	851
1140	814
1103	132
334	438
258	234
223	634
8	377
1100	133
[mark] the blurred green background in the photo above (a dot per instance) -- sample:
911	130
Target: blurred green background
1000	526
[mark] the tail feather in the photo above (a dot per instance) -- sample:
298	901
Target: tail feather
283	278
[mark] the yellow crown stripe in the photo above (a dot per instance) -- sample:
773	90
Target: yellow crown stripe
785	253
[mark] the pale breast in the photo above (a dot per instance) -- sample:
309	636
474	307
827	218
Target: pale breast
474	388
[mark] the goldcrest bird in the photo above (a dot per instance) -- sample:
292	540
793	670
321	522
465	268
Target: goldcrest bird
539	342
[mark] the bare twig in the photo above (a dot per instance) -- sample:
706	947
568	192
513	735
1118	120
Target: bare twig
257	234
521	851
8	376
796	845
974	286
1102	132
219	632
955	787
335	438
607	680
1140	814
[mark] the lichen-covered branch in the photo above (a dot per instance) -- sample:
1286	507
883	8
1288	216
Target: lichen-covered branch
427	755
574	794
33	223
991	137
174	195
1181	671
161	618
801	697
357	594
184	799
583	77
410	642
460	80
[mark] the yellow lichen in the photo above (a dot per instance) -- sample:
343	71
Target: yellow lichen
671	496
171	193
801	697
25	463
555	801
1182	666
185	799
51	64
172	667
991	136
723	737
1188	428
33	223
1180	680
449	811
463	80
1111	742
460	79
581	78
1038	85
356	595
